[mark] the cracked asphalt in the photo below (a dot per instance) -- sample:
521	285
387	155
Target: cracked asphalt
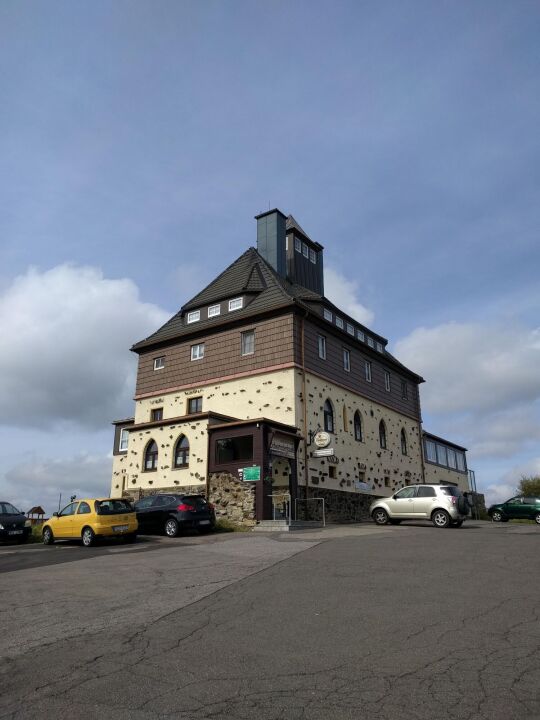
349	622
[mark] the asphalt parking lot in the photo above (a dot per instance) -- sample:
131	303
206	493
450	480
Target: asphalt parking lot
349	622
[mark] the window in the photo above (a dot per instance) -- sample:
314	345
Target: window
360	335
404	390
431	451
84	509
312	256
195	405
197	351
367	370
214	310
426	492
233	449
350	329
327	315
382	435
194	316
305	250
159	363
297	244
236	303
124	439
346	360
181	451
339	322
370	342
387	381
151	456
379	347
69	509
461	461
322	346
328	412
248	342
332	472
357	426
403	442
451	455
441	454
407	492
156	414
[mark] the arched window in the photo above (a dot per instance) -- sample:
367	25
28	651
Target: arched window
403	442
181	452
358	426
328	417
151	456
382	435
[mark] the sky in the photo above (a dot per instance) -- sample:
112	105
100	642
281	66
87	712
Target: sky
138	140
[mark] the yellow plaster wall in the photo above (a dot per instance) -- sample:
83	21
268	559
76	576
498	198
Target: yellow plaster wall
379	464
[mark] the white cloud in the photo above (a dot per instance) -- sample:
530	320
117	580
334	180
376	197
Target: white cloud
66	334
39	482
343	293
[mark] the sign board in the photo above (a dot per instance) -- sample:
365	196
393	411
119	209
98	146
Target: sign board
282	446
325	452
251	474
362	486
322	439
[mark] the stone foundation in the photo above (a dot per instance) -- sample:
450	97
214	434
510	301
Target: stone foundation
139	493
233	499
339	507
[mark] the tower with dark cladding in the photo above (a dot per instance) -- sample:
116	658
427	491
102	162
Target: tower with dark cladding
290	251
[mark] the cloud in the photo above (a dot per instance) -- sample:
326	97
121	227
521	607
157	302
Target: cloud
39	482
343	293
66	334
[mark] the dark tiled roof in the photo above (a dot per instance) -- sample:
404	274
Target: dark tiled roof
292	224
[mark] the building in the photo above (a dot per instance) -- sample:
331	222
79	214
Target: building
261	378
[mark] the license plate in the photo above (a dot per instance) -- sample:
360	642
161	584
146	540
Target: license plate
120	528
15	532
204	522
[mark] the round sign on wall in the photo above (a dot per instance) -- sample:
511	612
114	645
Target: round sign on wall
321	439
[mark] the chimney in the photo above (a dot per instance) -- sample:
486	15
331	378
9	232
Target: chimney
271	239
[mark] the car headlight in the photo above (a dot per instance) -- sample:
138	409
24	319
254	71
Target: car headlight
1	526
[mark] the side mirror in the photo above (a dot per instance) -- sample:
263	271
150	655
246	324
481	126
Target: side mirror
55	514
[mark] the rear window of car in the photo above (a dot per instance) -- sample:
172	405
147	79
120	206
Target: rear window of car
451	490
197	500
113	507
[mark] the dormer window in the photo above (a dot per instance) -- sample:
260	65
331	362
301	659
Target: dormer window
312	256
327	315
339	322
214	310
379	347
360	335
236	304
371	342
305	250
193	316
350	329
297	244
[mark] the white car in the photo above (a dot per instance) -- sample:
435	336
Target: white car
444	505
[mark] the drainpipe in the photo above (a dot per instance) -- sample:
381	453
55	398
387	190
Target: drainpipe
304	396
421	437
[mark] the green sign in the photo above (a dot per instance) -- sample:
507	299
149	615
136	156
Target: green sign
252	474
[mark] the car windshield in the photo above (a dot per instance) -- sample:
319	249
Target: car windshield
9	509
451	490
113	507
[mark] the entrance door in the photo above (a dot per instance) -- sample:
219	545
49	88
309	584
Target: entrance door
281	491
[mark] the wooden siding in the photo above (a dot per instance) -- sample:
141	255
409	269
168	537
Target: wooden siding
332	369
222	355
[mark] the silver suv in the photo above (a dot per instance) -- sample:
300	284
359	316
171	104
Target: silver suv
444	505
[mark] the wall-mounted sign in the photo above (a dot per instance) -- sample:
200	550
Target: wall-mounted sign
324	452
251	474
282	446
363	486
322	439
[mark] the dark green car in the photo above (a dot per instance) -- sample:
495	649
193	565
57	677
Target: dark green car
517	508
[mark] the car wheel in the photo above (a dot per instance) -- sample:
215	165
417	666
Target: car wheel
441	519
457	523
88	537
537	518
171	528
380	516
497	516
47	536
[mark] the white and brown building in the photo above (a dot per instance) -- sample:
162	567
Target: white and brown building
241	379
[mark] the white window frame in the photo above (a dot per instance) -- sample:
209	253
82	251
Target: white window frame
387	381
367	370
339	322
124	433
193	316
346	360
321	342
196	352
431	451
360	335
312	256
236	304
243	335
297	244
379	347
328	315
350	329
159	365
305	250
214	310
370	342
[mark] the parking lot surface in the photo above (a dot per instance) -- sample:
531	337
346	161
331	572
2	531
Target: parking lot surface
349	622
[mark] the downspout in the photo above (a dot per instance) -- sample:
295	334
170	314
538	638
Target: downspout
304	397
420	436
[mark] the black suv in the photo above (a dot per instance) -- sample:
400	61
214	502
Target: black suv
172	514
13	523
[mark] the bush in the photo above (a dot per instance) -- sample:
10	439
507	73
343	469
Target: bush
529	485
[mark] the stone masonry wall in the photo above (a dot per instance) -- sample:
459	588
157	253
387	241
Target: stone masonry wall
233	499
339	506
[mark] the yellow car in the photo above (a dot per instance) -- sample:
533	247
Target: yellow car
90	519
